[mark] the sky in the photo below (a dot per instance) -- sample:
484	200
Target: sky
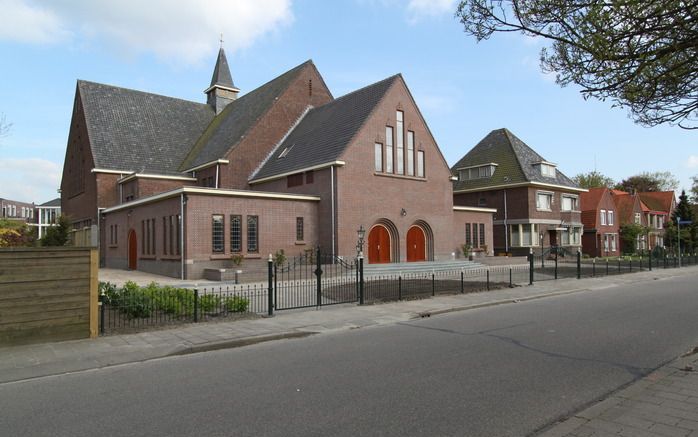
463	88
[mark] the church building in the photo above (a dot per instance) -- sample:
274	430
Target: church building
176	187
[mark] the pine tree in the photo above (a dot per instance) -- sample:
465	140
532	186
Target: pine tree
684	212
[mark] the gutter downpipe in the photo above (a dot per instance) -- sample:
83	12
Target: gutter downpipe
506	227
333	221
182	202
218	166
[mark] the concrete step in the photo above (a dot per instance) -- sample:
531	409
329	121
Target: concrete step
419	267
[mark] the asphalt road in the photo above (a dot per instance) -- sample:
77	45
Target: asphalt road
508	370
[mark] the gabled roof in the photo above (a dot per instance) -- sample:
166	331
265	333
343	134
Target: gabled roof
139	131
590	200
55	202
515	163
325	132
661	201
625	204
221	73
238	117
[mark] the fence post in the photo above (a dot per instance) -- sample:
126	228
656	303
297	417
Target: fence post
665	260
530	266
650	259
399	287
618	264
488	279
270	291
318	274
579	263
361	278
433	289
593	267
101	312
631	265
461	282
555	263
511	285
196	305
606	266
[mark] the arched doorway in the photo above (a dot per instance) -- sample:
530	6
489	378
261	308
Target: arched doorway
379	245
132	250
416	244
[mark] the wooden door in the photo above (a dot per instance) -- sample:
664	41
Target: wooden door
416	244
132	250
378	245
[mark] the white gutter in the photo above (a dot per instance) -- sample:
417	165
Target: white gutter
300	170
213	192
207	164
332	191
181	234
104	170
474	209
520	184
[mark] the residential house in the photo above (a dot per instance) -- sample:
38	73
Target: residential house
537	205
659	207
178	187
631	210
601	224
16	210
46	215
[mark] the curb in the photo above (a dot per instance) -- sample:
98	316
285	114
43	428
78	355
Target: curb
238	342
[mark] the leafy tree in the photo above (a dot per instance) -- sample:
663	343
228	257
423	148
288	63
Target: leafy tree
15	233
628	234
649	181
684	210
640	54
57	235
593	179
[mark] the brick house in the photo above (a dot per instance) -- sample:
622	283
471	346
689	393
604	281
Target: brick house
601	223
630	210
16	210
659	207
537	205
178	187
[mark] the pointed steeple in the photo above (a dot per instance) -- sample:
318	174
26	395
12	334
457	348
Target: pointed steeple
222	90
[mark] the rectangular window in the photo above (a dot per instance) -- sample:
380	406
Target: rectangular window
468	238
410	153
143	237
217	223
173	248
152	235
660	222
294	180
569	203
544	201
236	233
400	144
420	164
475	235
613	242
547	170
606	244
252	233
638	218
388	149
164	236
379	157
482	234
602	216
179	233
609	214
515	236
299	229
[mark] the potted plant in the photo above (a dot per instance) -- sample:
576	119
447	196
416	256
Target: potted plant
467	251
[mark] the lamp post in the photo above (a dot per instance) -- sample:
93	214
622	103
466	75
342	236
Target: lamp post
361	233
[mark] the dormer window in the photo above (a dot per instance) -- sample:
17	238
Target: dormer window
477	172
547	169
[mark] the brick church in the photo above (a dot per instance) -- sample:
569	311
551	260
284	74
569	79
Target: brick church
176	187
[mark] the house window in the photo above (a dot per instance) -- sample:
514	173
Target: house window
610	217
235	233
179	232
388	149
482	171
217	244
299	228
252	233
482	235
613	242
606	239
379	157
410	153
482	201
309	177
144	239
294	180
420	164
474	234
164	236
638	218
515	236
660	222
603	217
571	236
523	235
400	144
468	238
569	203
547	170
544	201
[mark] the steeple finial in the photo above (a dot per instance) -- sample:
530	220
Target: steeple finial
221	40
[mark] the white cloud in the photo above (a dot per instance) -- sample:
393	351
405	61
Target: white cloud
418	9
29	179
692	161
185	31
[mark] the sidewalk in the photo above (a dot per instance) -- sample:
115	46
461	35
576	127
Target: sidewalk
23	362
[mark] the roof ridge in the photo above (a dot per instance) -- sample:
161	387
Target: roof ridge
508	135
351	93
83	81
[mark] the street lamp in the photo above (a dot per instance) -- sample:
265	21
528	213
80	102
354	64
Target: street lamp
361	232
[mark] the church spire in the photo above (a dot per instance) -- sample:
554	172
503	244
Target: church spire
222	90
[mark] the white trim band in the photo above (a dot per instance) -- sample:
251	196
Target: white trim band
207	164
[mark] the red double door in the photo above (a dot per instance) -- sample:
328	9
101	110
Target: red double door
379	245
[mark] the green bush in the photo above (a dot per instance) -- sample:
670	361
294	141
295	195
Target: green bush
237	304
209	303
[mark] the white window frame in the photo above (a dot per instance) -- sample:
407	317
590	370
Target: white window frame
638	218
573	199
547	170
378	157
420	163
610	217
547	194
603	217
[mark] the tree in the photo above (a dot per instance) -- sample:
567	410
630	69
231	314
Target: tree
640	54
57	235
593	179
684	211
628	234
14	233
694	190
649	181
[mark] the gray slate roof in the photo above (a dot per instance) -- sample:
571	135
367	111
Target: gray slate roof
137	131
325	132
221	73
515	162
54	202
229	127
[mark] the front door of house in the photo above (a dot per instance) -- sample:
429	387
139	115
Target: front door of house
416	245
132	250
378	245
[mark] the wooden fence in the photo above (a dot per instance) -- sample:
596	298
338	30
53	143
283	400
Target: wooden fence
47	294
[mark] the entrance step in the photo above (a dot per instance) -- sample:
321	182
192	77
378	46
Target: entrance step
419	267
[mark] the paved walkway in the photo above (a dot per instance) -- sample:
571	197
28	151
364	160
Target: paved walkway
665	403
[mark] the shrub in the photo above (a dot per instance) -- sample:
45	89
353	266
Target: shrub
209	303
135	302
237	304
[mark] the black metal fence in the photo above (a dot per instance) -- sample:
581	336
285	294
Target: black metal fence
315	280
